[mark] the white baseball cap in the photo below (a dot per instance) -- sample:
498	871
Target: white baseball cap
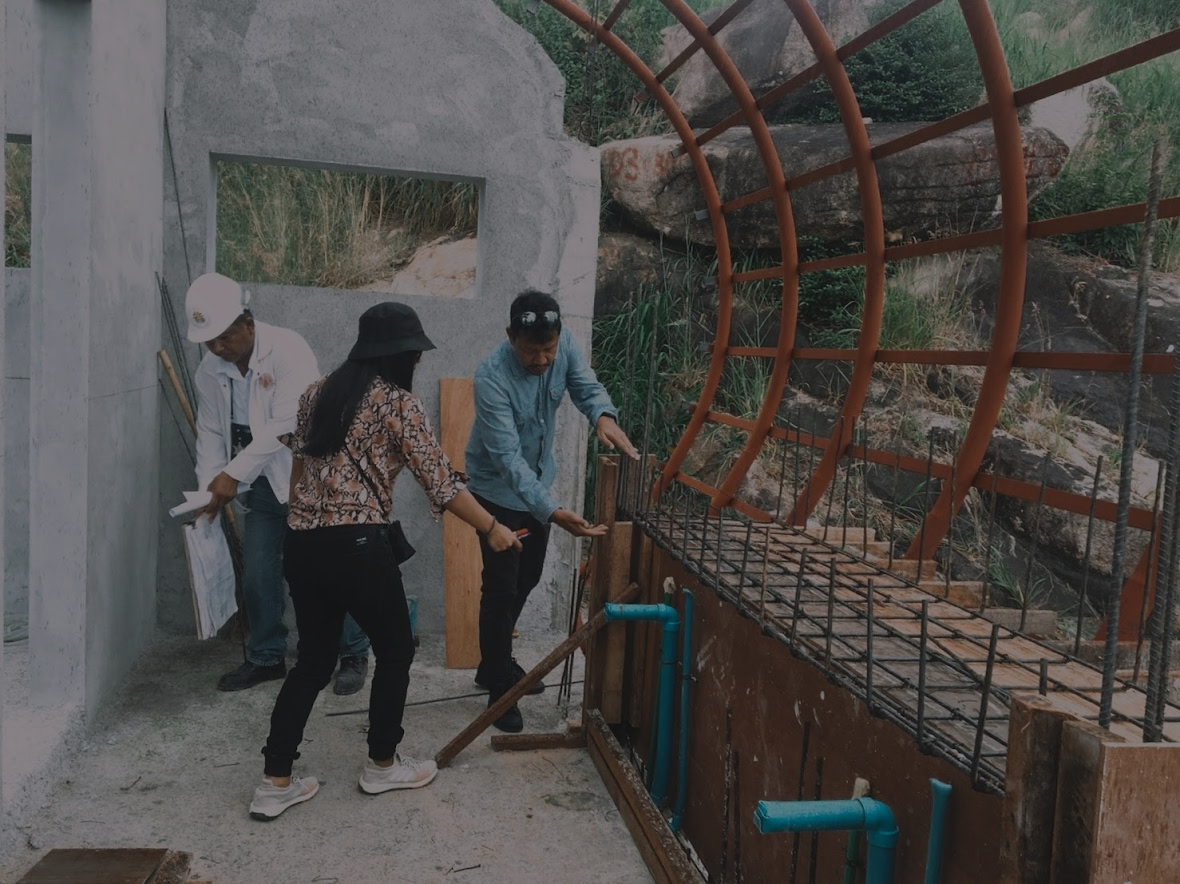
212	304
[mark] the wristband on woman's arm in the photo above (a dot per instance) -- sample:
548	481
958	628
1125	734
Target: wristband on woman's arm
491	527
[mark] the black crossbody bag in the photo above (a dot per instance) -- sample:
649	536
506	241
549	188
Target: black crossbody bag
403	550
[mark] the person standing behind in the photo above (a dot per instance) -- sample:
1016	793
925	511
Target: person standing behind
357	429
510	463
248	388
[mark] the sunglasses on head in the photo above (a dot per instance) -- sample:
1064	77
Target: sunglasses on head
528	318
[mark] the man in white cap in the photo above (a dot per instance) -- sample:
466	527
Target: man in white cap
248	389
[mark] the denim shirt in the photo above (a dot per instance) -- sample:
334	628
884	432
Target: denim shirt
510	450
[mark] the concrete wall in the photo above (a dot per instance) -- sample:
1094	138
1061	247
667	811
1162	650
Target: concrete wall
18	67
95	326
316	83
14	428
3	397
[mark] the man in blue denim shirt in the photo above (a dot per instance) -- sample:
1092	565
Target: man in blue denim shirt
510	463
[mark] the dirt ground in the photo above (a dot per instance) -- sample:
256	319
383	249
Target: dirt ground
172	762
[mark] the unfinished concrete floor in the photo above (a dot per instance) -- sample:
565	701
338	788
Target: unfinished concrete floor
173	763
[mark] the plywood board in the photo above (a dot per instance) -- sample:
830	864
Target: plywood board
92	866
462	563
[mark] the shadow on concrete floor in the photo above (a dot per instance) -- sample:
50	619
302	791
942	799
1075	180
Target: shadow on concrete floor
172	762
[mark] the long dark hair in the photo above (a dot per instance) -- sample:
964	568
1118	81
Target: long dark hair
343	391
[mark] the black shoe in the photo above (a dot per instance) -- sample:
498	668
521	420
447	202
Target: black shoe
517	674
248	674
350	677
512	721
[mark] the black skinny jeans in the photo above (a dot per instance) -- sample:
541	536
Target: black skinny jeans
346	568
508	578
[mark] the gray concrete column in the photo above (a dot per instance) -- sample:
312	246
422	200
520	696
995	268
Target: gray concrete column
3	459
95	327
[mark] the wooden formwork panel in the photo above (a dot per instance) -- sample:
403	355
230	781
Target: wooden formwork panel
766	725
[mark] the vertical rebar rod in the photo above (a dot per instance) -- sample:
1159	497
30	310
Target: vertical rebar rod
782	481
798	450
798	599
765	569
810	472
848	462
977	755
832	488
950	521
1130	434
651	382
923	643
1032	549
1154	550
1077	639
717	575
864	488
1163	621
985	595
745	561
925	506
831	612
869	646
893	509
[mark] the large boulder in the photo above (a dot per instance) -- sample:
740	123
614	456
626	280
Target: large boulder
765	43
1075	304
947	184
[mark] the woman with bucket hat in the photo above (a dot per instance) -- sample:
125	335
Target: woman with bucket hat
356	430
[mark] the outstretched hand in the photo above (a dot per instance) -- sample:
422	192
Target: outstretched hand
575	524
611	435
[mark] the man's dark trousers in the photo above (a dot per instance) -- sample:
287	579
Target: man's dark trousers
508	578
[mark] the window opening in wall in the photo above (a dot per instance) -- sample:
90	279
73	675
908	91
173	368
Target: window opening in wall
294	225
18	189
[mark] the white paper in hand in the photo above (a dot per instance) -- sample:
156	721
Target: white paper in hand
193	500
211	573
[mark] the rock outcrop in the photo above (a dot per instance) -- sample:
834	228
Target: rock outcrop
951	183
765	43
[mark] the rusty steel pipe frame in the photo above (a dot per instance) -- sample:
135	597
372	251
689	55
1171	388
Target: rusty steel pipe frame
760	132
1011	237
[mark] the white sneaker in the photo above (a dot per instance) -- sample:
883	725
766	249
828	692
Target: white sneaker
404	773
270	800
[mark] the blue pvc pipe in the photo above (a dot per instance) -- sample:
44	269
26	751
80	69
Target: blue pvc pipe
941	795
875	818
685	679
671	620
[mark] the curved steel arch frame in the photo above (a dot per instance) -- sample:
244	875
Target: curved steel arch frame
1001	105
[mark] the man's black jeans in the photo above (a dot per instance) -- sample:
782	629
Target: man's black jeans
508	578
331	571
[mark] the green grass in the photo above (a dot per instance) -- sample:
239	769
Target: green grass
1113	169
18	184
319	227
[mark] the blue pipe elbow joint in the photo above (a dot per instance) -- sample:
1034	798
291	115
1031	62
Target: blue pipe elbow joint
867	814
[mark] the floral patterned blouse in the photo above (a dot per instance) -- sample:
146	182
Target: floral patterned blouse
390	431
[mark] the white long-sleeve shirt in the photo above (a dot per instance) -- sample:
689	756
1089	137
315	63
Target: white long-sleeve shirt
282	367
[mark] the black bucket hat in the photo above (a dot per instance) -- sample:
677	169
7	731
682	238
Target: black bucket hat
388	329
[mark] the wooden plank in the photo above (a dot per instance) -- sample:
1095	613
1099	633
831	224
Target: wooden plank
657	845
530	742
530	678
96	866
1136	836
606	659
462	563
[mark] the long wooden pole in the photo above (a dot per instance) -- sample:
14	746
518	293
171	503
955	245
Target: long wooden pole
567	647
187	408
166	361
